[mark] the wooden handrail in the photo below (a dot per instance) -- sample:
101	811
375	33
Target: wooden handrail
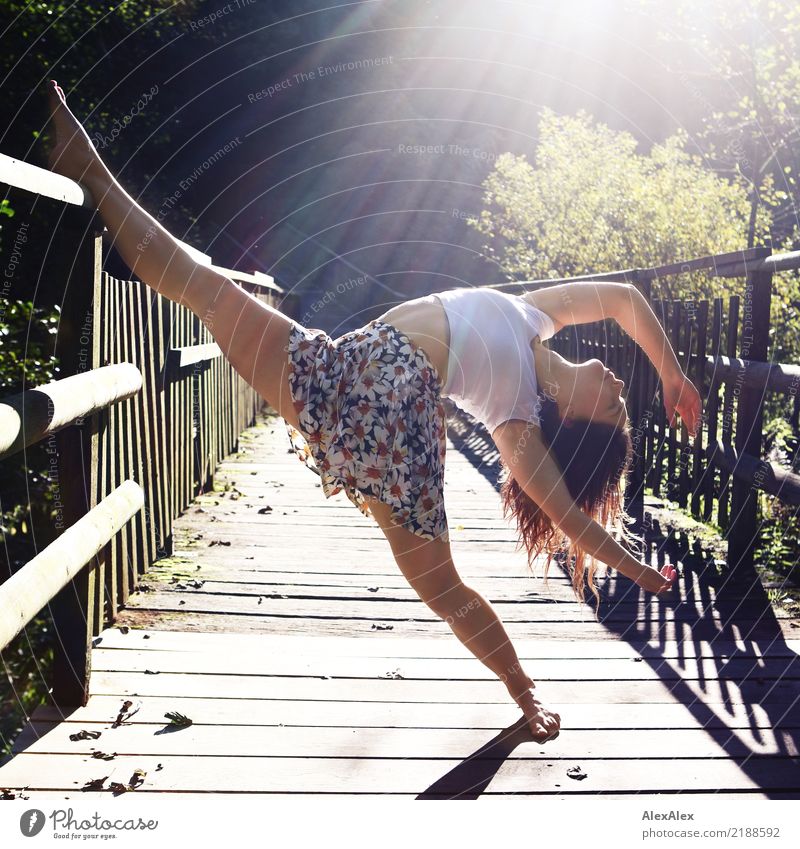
30	416
31	178
732	264
774	263
36	584
777	377
257	279
189	355
762	474
169	437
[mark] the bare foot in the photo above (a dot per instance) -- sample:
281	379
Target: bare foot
544	723
73	153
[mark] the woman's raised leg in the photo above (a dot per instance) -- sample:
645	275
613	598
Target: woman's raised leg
252	335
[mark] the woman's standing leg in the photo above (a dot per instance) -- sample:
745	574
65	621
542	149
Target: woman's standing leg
252	335
428	567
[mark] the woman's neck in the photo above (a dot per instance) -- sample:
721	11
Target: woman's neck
552	370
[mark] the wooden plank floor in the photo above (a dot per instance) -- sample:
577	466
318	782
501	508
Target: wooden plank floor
284	630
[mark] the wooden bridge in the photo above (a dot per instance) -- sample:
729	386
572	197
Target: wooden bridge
223	628
283	629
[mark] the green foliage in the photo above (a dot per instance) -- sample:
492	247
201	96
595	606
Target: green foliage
779	539
742	68
591	202
25	335
26	503
27	668
101	54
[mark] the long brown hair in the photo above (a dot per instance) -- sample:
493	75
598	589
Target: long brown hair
594	459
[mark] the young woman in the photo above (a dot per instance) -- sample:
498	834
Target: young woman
366	407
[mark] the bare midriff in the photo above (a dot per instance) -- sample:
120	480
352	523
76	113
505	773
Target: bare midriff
424	321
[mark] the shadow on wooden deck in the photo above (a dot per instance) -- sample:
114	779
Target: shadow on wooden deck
762	668
283	628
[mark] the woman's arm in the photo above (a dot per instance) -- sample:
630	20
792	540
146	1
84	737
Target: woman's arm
581	303
529	461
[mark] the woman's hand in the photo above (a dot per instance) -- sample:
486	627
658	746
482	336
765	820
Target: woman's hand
544	723
655	580
681	397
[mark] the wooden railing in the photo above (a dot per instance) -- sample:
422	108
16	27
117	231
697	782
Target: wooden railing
723	347
144	412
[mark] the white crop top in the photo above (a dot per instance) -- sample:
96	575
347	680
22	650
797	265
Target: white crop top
491	371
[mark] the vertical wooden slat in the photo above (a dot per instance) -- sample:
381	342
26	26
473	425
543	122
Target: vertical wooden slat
172	423
73	608
143	429
712	408
653	402
188	466
126	446
699	376
754	342
161	313
154	420
688	336
185	429
635	370
731	339
659	416
104	460
121	444
98	433
674	333
112	574
141	544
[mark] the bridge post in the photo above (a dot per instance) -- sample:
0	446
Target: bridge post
753	341
77	609
634	495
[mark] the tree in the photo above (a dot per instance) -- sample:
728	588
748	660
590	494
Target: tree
591	203
741	62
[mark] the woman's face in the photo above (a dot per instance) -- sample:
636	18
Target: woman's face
596	395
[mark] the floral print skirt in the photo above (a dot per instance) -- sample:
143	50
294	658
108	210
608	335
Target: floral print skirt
372	421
